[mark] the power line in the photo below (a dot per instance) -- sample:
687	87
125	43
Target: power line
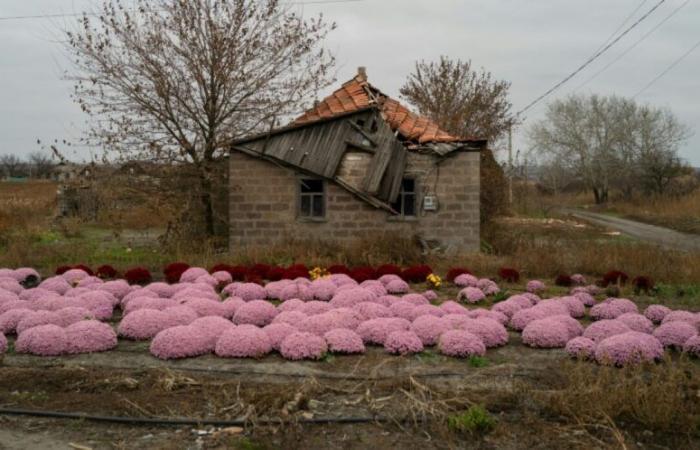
633	46
624	22
53	16
668	69
591	59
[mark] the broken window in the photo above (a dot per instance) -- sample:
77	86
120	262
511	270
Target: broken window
405	203
312	202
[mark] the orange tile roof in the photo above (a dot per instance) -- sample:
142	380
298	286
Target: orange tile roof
358	93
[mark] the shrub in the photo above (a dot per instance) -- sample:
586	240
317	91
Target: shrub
339	268
535	286
277	332
403	343
296	271
107	272
656	313
692	346
475	420
614	277
275	274
388	269
546	333
636	322
471	295
461	344
60	270
643	284
174	271
256	312
416	274
88	336
454	272
509	274
138	275
43	340
301	345
492	333
262	271
363	273
243	341
578	279
397	287
675	334
628	348
429	328
580	347
142	324
605	328
341	340
376	331
563	280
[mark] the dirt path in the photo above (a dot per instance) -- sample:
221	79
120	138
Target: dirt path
652	234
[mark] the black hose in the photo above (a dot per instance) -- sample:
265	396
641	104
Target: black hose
187	421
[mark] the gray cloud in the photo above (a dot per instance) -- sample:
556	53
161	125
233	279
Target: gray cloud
532	43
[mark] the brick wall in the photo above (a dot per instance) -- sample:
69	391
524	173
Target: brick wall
263	204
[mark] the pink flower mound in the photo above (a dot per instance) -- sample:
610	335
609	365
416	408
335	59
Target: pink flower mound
244	341
293	304
423	310
56	284
76	292
297	290
535	286
341	279
319	324
471	295
149	303
672	334
10	319
461	344
273	289
323	289
580	347
457	320
508	307
28	294
277	332
346	318
37	318
73	276
403	343
397	286
315	307
23	273
222	277
191	274
289	317
91	282
656	313
3	344
605	328
88	336
211	328
208	280
204	307
480	313
231	305
578	279
429	328
636	322
465	280
11	285
692	346
192	292
402	309
73	314
376	331
374	286
603	311
523	317
43	340
388	300
682	316
452	307
370	310
546	333
250	291
430	295
182	341
492	333
388	278
180	315
572	325
628	348
348	298
415	299
256	312
118	288
489	287
342	340
534	298
300	345
16	304
142	324
585	298
575	306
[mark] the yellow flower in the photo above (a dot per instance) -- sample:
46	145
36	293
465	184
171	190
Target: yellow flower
434	280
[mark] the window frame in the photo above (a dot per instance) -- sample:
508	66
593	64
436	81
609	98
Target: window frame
311	195
401	201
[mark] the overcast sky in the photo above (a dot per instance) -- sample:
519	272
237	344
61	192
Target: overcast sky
533	44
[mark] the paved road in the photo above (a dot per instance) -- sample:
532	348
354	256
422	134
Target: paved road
642	231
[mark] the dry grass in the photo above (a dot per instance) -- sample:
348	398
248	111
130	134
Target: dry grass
680	213
26	206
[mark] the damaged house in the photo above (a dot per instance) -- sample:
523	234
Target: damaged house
357	165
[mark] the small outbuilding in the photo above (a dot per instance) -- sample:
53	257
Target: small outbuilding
358	164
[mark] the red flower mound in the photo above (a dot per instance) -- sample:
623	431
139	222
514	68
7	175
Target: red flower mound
614	277
173	271
235	271
339	268
509	274
563	280
60	270
643	284
262	271
416	274
388	269
138	275
275	274
363	273
455	272
296	271
84	268
107	271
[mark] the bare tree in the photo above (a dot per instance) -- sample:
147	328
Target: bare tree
41	164
610	142
12	165
463	101
178	80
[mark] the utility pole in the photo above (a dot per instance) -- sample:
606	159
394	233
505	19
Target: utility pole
510	164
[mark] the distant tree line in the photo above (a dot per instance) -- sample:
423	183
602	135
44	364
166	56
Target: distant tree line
605	143
34	165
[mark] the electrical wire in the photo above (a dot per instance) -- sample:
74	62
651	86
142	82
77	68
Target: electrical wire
633	46
668	69
591	59
624	22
